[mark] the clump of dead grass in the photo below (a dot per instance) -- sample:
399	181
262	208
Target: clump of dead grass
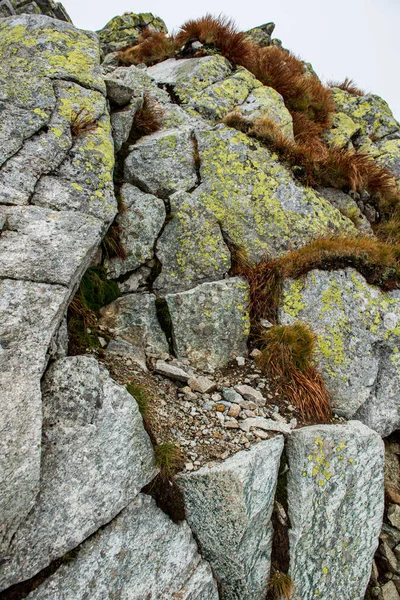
148	118
82	122
347	85
281	586
151	48
287	356
112	245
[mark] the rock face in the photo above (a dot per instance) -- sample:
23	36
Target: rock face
210	323
229	508
358	337
149	555
45	247
335	498
37	7
125	30
96	457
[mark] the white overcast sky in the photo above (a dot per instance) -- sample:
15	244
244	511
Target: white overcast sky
359	39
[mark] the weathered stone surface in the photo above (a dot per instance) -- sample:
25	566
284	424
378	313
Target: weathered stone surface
133	318
217	100
29	316
335	498
358	338
45	7
96	457
371	113
121	122
229	507
47	246
202	384
264	424
162	163
190	76
266	102
191	248
392	471
139	225
261	35
6	9
348	207
342	131
251	394
257	201
389	591
124	30
210	322
69	53
150	557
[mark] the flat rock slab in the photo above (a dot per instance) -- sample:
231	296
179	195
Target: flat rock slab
251	394
336	501
171	371
210	322
140	554
96	457
358	334
229	507
47	246
259	204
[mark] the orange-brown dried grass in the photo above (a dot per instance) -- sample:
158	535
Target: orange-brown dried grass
347	85
82	122
288	357
152	47
149	118
112	245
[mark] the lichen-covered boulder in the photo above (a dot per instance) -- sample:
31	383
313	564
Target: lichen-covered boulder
190	76
55	10
44	248
336	500
228	507
210	323
358	334
348	207
258	202
264	101
261	35
191	248
133	319
388	154
140	554
124	30
162	163
96	457
371	113
139	223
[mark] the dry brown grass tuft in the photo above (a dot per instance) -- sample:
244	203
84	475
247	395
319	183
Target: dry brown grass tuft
112	245
281	586
149	118
287	356
219	33
82	122
347	85
152	47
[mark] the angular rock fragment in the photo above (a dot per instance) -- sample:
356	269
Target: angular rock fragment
335	498
96	457
140	554
251	394
139	224
162	163
171	371
210	322
124	30
229	507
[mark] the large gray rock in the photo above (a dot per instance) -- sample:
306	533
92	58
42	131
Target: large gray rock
96	457
29	317
358	335
140	223
44	249
191	248
229	507
140	554
336	501
46	7
258	202
162	163
210	323
133	319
